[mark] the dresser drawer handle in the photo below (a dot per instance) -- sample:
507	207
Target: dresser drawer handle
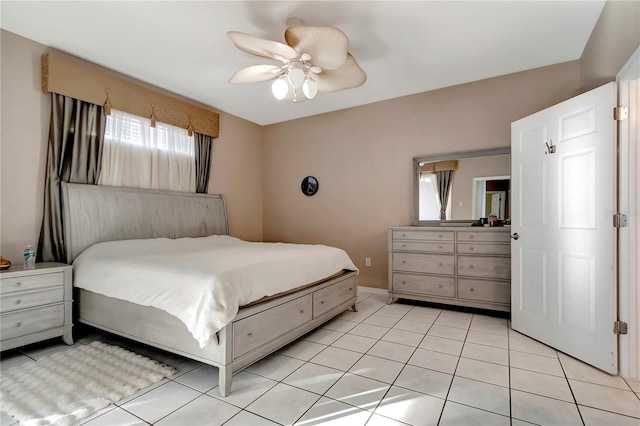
470	266
440	236
471	237
250	335
18	284
404	245
18	324
404	283
440	286
404	261
18	302
440	264
404	235
471	289
322	302
302	311
470	248
440	247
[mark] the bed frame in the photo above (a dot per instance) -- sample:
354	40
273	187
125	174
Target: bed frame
93	214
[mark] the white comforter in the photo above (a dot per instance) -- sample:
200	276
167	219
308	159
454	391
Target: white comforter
202	281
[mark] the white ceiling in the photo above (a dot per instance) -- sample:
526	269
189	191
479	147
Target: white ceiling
404	47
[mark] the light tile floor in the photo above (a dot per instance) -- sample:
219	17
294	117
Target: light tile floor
383	365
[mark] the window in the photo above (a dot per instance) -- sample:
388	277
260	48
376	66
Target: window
138	155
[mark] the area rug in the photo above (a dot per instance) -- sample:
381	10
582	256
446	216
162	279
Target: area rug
67	386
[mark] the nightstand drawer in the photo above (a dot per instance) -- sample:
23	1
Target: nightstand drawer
29	321
31	282
22	300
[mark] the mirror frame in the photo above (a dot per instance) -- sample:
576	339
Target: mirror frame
446	157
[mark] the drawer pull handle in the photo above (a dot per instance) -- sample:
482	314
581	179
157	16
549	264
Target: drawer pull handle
18	324
471	237
404	235
404	245
440	286
470	266
404	282
18	284
404	261
470	248
440	236
302	311
350	288
322	302
440	247
440	264
18	302
471	289
250	335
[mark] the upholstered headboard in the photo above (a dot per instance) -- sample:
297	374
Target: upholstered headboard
94	214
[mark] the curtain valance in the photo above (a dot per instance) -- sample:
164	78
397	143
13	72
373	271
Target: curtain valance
70	76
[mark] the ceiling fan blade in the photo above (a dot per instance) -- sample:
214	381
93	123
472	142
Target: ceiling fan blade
326	45
261	47
255	73
346	77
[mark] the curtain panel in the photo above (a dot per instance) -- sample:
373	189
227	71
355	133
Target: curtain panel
74	155
445	179
203	145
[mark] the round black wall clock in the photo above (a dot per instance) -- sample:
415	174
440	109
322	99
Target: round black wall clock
309	186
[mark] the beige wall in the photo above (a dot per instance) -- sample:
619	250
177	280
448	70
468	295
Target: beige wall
362	158
613	40
24	127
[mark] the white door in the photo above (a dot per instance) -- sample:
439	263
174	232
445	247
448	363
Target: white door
563	264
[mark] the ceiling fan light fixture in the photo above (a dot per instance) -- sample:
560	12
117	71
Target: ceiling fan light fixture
309	88
296	77
280	88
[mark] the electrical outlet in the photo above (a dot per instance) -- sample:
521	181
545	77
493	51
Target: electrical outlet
367	261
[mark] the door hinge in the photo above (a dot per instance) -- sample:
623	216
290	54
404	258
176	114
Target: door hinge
620	220
620	113
620	327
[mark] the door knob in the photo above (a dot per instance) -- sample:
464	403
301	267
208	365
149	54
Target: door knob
515	236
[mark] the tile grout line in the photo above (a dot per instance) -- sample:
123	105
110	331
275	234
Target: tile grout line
570	388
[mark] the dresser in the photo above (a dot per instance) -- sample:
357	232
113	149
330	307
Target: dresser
464	266
35	304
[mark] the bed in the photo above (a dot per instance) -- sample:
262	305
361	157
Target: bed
99	214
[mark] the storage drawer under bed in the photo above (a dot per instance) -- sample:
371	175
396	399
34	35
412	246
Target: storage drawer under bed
329	297
261	328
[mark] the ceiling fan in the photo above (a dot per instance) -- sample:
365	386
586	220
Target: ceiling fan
314	59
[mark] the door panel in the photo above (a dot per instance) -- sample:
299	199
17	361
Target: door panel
563	285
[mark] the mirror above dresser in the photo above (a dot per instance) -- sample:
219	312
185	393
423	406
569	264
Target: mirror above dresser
474	185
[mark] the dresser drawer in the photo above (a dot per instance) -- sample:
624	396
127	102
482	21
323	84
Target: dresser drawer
261	328
31	282
486	291
483	248
428	263
485	267
27	321
424	284
488	236
424	235
329	297
423	246
27	299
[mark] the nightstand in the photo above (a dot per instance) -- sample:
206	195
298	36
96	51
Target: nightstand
35	304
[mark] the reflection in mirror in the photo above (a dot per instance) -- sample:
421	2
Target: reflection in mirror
470	185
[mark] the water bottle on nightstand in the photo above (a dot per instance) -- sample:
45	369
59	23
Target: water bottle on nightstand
29	257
